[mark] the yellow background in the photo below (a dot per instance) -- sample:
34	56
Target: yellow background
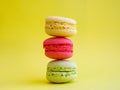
96	45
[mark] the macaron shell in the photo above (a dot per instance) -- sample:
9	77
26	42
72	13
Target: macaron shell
62	64
60	19
60	77
57	40
59	55
62	33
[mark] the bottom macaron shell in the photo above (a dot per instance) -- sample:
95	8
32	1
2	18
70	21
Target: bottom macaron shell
60	77
65	33
59	55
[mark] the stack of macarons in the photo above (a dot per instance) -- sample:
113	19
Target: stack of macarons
60	48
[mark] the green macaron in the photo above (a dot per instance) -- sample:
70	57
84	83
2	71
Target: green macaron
61	71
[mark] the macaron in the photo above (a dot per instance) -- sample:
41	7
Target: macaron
58	48
61	71
60	26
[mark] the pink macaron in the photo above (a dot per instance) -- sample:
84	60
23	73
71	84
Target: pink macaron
58	48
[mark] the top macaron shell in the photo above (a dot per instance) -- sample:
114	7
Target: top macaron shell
60	26
61	65
60	19
58	48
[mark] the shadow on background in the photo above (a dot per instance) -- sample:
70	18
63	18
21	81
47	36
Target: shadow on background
39	82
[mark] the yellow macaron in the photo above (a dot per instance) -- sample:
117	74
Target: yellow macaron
60	26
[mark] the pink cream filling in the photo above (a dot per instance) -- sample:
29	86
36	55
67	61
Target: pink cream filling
58	48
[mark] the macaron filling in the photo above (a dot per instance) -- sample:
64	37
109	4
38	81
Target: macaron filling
61	74
60	26
58	48
61	69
